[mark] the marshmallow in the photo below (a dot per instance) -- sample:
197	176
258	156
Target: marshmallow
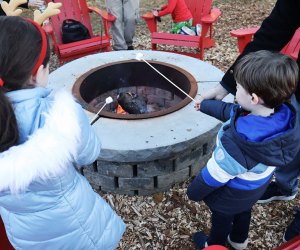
109	100
139	56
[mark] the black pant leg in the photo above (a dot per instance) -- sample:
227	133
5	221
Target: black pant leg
220	228
240	227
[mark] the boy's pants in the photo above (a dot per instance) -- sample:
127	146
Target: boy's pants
123	29
237	225
287	176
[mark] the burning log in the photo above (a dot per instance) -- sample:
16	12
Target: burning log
132	103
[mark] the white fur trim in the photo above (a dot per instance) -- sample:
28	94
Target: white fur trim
48	151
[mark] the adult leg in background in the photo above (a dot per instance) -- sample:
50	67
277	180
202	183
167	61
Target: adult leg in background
115	7
131	16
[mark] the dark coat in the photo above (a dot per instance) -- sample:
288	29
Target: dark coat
248	150
275	32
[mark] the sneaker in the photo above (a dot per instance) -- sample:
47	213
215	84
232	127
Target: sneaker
200	239
273	193
293	229
237	246
188	31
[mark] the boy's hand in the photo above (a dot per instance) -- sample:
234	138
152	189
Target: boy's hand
197	106
198	103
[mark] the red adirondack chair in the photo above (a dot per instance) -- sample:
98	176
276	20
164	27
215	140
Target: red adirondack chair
202	14
78	10
293	244
244	36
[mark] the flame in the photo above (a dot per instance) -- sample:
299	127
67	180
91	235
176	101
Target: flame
120	110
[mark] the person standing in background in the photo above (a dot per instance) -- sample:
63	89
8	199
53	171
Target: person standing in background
123	29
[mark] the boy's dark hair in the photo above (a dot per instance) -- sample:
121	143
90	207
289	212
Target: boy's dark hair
20	46
272	76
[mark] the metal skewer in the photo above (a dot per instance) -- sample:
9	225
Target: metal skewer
97	116
139	57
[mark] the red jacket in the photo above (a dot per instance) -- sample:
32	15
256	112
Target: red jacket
178	9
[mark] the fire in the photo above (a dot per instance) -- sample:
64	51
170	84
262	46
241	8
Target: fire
120	110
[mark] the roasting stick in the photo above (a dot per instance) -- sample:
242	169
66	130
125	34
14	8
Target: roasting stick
108	100
139	57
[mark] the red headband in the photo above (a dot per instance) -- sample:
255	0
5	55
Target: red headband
44	46
43	50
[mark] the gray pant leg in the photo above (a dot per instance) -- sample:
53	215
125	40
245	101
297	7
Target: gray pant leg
131	16
115	7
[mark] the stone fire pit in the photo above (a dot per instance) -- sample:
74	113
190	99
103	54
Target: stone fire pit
148	153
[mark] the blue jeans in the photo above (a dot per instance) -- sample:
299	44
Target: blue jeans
287	176
237	225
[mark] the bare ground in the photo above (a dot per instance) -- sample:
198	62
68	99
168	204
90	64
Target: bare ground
167	220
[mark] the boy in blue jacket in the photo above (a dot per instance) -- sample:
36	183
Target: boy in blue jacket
259	134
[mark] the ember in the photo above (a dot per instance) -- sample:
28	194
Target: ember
119	110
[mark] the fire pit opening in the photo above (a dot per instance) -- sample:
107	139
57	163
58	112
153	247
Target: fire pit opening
138	78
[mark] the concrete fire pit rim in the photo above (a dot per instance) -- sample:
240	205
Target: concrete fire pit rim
124	140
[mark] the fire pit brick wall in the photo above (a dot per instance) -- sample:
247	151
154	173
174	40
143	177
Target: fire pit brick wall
146	178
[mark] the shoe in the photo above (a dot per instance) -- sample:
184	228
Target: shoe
188	31
130	47
293	229
200	239
237	246
273	193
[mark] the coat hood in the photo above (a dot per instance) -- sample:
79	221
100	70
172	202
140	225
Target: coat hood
45	153
274	151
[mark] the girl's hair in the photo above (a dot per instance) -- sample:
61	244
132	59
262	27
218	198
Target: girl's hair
271	76
20	46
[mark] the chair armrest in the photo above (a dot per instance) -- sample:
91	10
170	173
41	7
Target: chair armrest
103	13
151	21
107	18
212	16
244	36
244	32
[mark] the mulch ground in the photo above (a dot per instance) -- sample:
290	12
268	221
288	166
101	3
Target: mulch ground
168	220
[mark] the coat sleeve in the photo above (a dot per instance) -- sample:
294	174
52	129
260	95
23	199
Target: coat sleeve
89	146
275	32
198	189
168	9
218	109
220	169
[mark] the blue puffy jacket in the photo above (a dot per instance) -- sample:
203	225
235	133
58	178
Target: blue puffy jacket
248	149
44	202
